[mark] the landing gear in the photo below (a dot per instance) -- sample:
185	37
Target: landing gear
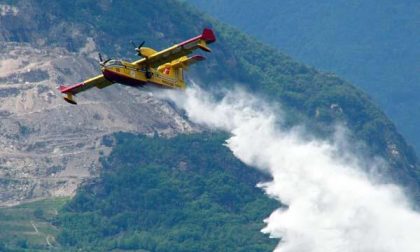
148	74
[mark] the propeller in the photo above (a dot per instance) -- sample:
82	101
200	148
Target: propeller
101	60
138	48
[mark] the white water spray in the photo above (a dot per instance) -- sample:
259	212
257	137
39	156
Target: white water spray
332	205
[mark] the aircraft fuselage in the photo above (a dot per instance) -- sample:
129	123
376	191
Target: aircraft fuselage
129	74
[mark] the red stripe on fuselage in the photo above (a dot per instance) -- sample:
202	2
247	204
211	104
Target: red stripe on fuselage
123	79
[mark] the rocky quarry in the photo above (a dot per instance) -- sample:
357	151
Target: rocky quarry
47	146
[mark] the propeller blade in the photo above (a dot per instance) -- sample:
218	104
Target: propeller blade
142	43
100	57
138	48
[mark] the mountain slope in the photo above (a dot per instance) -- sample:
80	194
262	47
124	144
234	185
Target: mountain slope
181	194
316	99
375	46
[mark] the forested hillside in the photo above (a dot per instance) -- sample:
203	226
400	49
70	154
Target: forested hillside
373	45
187	193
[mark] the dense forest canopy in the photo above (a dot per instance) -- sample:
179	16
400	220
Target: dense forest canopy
187	193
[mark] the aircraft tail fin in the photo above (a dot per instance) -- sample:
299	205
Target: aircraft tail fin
62	88
68	95
201	41
208	36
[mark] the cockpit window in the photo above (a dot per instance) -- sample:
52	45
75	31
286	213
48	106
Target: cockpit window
114	63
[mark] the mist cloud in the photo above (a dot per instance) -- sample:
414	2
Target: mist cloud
332	204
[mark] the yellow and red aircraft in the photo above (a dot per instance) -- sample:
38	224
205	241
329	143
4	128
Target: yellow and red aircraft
163	69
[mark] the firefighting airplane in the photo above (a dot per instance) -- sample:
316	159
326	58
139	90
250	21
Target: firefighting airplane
163	69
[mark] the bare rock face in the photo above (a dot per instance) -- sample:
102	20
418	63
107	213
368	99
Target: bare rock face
47	146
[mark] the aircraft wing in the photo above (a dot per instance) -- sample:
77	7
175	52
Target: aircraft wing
179	50
97	81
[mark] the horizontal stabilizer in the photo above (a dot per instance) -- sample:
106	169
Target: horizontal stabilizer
70	91
70	99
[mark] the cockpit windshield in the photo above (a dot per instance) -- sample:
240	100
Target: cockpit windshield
114	63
